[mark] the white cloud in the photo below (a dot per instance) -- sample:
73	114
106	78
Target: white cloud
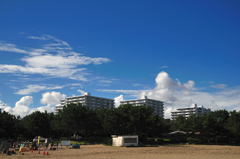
82	92
176	94
4	106
219	86
47	108
54	45
117	100
36	88
105	81
38	37
55	58
22	107
11	48
133	93
60	61
52	98
189	85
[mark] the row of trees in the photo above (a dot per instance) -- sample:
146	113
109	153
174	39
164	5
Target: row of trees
219	127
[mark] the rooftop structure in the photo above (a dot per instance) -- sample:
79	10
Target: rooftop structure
186	112
86	100
155	104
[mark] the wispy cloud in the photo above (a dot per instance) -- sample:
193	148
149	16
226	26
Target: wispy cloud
219	86
105	81
36	88
71	73
132	93
8	47
55	58
164	66
82	92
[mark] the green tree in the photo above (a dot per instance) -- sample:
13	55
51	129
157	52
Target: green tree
233	126
8	125
128	119
38	124
78	119
180	123
214	127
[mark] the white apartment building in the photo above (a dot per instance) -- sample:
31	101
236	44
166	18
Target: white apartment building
186	112
86	100
155	104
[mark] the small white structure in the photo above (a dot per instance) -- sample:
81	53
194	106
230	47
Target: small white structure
131	140
65	143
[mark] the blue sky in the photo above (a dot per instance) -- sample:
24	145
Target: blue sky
110	48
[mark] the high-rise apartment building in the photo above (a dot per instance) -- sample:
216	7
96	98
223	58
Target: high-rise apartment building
86	100
186	112
155	104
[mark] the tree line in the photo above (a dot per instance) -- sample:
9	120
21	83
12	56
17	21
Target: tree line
217	127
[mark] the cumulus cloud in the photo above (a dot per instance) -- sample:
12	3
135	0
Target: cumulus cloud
4	106
52	98
176	94
22	107
117	100
168	89
55	58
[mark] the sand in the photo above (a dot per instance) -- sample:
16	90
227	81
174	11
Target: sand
160	152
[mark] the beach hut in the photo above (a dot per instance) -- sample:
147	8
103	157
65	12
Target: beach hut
65	143
129	140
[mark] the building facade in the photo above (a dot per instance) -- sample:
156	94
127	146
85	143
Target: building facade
86	100
186	112
155	104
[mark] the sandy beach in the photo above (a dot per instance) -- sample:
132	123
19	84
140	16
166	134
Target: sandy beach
164	152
